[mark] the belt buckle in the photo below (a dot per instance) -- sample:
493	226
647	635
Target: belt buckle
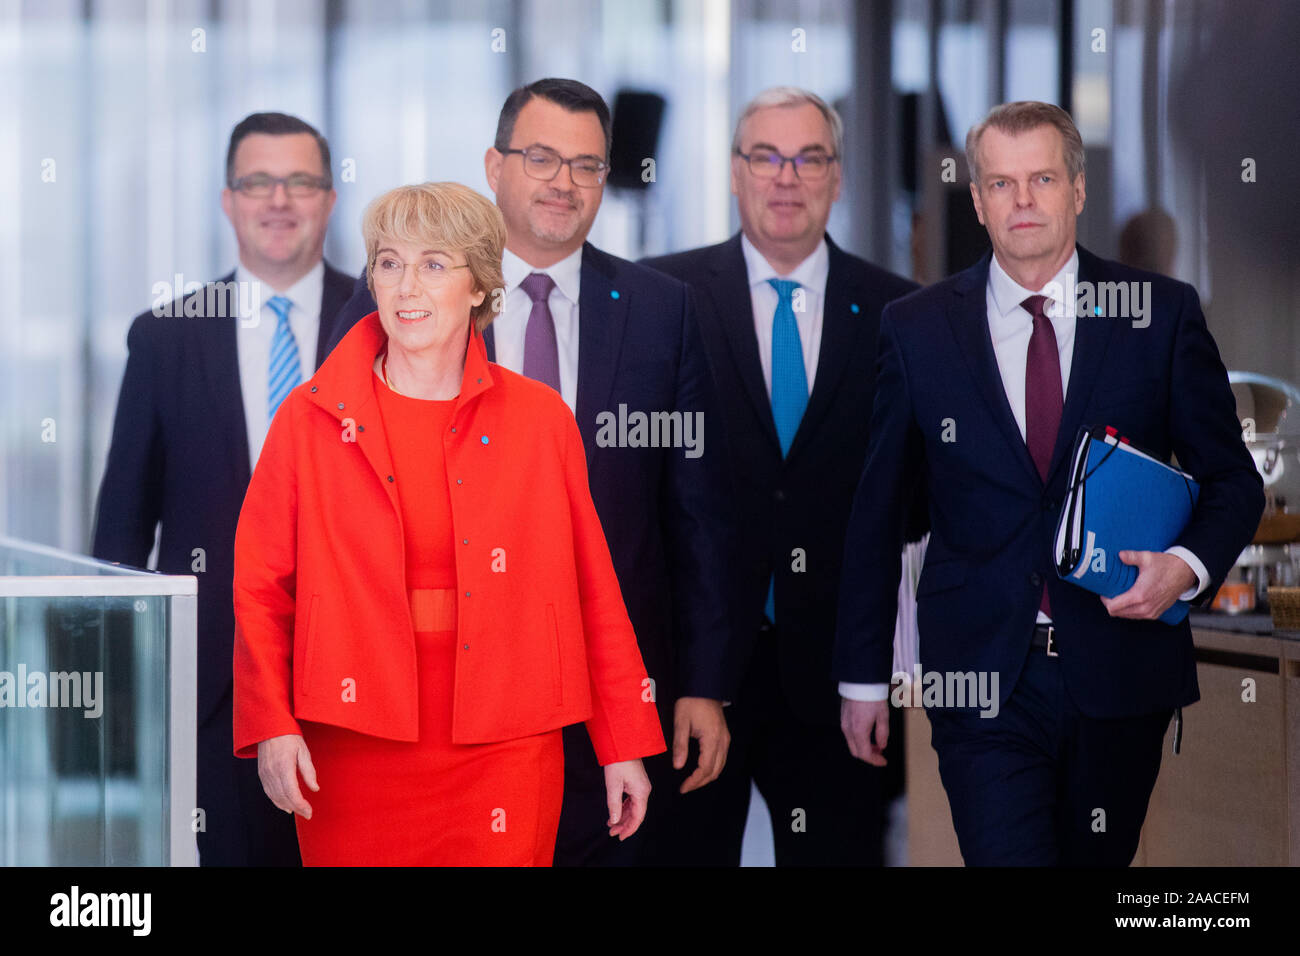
1051	641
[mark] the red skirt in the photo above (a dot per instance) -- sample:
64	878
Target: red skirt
431	802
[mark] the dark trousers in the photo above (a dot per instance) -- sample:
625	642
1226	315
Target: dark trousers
583	838
242	827
826	806
1040	784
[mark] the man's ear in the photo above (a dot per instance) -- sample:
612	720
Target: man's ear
1080	193
227	203
492	167
975	198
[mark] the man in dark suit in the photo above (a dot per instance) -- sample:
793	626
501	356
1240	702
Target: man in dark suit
985	379
789	323
204	375
617	341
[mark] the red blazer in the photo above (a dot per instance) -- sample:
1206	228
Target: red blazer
320	594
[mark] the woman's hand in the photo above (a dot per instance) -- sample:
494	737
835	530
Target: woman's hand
625	777
279	759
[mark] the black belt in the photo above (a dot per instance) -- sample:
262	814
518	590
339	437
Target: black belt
1045	637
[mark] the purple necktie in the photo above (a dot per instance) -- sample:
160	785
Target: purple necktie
541	354
1043	399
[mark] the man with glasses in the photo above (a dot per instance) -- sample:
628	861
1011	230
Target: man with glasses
789	322
204	376
608	335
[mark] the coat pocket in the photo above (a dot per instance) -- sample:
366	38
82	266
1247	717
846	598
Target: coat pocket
309	651
941	576
557	669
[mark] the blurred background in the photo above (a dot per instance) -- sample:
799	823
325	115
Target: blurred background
115	115
114	118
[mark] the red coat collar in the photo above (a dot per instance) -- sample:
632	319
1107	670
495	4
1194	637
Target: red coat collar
342	384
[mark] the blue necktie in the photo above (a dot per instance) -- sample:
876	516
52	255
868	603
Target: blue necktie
285	373
789	385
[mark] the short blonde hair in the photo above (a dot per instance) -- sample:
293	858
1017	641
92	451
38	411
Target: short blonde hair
446	216
1020	117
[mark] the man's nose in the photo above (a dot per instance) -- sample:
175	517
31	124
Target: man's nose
787	177
279	194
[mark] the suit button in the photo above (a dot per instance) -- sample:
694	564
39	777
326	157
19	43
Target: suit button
340	406
1036	579
779	494
465	541
313	388
453	429
361	428
459	482
466	594
466	647
390	477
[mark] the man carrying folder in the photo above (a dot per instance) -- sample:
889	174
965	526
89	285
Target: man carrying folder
984	381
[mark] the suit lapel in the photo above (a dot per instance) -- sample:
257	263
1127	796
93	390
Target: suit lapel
335	292
490	343
602	316
1091	337
218	357
840	328
729	294
968	317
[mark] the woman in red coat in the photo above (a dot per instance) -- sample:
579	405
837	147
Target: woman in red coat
423	593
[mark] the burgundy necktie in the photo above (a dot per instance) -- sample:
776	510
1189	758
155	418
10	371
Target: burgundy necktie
541	354
1043	397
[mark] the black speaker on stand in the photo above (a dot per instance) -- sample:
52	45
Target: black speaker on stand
638	119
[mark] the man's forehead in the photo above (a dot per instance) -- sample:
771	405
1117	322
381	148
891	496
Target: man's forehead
544	123
287	147
801	121
1040	139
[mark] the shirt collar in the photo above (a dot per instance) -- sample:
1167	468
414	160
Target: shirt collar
303	293
565	273
810	274
1008	293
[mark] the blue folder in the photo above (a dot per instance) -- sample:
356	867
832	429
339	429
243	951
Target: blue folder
1119	499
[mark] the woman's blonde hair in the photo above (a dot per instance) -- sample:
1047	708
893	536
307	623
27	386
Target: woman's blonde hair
445	216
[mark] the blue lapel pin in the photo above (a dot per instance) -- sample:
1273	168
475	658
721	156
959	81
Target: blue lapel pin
613	293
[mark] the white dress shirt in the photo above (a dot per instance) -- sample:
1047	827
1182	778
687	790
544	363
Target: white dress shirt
253	343
811	275
508	328
1010	326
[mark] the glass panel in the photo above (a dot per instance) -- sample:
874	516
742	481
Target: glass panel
89	768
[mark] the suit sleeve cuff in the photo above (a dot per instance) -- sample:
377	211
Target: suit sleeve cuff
864	691
1198	568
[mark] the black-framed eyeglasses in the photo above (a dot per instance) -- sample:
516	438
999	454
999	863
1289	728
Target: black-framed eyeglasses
544	164
261	185
809	166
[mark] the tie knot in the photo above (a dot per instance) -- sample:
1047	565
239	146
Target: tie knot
280	306
1034	306
784	288
538	286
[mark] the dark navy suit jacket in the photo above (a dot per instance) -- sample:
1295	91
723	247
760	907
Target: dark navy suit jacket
179	455
665	516
801	501
992	518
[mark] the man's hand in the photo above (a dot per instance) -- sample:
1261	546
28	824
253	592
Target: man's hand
858	718
279	759
626	776
701	718
1161	578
